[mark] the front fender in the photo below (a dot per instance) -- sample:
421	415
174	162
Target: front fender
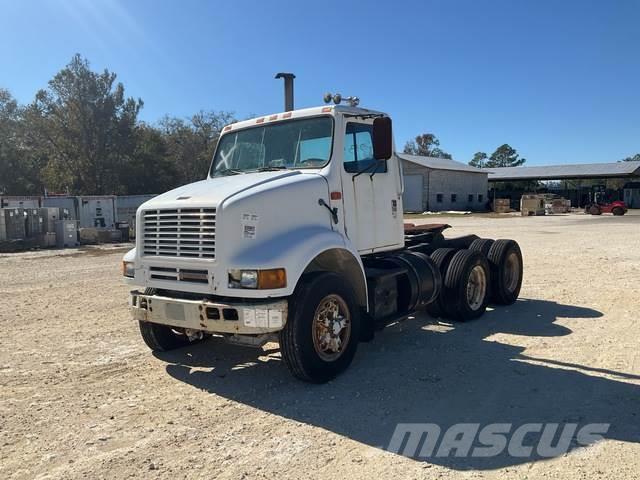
293	250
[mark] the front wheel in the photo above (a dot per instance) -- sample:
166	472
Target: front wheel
321	335
161	338
594	210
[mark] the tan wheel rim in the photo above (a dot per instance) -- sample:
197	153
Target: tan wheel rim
331	328
476	287
511	271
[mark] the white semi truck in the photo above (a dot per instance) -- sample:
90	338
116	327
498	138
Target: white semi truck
297	235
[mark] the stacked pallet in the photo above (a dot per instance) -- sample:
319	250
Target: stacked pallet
531	204
502	205
560	205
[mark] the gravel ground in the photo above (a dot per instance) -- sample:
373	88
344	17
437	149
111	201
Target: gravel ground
82	396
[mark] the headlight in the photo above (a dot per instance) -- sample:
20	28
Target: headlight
243	279
258	279
128	269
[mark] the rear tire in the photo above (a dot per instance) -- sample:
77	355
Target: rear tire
441	257
321	335
617	211
505	259
481	245
466	286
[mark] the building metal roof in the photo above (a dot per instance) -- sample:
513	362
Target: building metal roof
558	172
440	163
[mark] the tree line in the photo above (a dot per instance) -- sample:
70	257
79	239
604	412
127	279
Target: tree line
428	145
82	135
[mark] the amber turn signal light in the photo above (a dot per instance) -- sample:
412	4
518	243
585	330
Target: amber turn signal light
274	278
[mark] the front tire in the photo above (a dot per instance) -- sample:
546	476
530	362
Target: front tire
321	335
594	210
617	211
161	338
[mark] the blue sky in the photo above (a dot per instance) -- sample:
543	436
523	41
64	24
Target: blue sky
558	80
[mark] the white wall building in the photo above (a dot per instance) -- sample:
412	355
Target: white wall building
436	184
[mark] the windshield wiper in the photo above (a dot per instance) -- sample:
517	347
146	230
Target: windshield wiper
272	168
226	171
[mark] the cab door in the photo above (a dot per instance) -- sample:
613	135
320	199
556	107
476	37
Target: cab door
369	191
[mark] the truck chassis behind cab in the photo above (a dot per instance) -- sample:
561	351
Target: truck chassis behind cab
297	236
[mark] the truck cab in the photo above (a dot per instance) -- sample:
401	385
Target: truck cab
295	235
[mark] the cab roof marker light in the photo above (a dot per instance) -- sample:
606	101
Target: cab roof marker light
273	117
260	120
286	115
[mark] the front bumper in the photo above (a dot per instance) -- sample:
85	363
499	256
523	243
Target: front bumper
213	317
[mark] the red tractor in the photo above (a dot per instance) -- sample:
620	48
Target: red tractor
602	205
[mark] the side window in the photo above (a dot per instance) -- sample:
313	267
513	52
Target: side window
439	197
358	149
479	197
454	198
470	198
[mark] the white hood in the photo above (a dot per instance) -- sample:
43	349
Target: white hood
212	191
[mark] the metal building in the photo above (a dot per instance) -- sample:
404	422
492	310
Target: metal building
438	184
575	182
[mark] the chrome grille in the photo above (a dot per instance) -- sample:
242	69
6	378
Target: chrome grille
179	275
182	232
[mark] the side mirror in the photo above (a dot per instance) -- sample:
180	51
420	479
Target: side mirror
382	138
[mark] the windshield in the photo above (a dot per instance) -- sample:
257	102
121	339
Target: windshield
304	143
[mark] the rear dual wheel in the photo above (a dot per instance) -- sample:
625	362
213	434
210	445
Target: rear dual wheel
505	262
505	259
466	286
441	257
490	271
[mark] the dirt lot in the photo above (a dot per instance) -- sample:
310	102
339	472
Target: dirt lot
82	397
